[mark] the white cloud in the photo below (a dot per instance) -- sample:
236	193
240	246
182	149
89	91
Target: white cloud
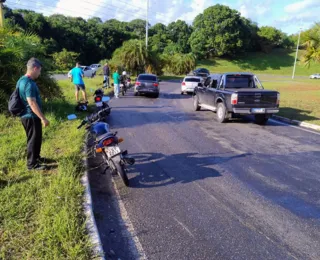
301	6
250	9
195	7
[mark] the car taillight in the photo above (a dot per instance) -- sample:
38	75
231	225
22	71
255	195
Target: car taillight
155	84
234	99
183	83
138	83
97	99
108	141
278	98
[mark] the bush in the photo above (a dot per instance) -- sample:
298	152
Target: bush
64	60
15	50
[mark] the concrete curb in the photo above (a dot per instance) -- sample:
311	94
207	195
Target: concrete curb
296	122
88	210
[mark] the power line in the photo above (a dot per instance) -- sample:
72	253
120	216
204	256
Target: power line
46	4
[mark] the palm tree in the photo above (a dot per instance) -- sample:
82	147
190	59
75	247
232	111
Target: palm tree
180	64
312	45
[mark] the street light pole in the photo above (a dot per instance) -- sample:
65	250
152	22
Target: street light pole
295	60
1	13
147	24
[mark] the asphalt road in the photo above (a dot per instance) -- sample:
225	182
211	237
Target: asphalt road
204	190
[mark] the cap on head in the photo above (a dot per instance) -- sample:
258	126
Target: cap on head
33	63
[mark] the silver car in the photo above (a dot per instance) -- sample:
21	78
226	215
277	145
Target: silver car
88	72
189	83
315	76
147	84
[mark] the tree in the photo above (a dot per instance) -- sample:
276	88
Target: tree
132	56
179	63
312	45
218	31
15	50
270	38
179	33
64	60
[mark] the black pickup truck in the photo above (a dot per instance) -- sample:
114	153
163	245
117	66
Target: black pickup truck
234	94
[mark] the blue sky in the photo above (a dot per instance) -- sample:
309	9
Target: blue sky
287	15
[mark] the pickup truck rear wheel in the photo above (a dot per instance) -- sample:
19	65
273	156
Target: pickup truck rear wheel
261	119
196	106
221	113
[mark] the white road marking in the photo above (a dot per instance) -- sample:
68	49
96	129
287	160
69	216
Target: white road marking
184	227
129	232
293	126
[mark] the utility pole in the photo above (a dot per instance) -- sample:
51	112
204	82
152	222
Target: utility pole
147	23
1	13
295	60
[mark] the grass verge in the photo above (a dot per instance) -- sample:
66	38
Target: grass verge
278	62
41	212
300	99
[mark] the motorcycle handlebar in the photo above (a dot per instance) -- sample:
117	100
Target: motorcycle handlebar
95	117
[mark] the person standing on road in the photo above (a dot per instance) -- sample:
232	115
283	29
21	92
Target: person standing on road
77	79
106	75
116	82
32	116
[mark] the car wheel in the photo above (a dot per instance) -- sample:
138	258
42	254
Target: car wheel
156	95
196	105
182	93
136	93
221	113
261	119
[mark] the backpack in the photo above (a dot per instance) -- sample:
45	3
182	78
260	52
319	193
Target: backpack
15	105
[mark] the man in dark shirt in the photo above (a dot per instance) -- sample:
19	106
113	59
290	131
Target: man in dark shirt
32	117
106	75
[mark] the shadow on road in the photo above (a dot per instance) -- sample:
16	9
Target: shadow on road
157	169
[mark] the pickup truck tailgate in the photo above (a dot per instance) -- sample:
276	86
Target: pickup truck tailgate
257	99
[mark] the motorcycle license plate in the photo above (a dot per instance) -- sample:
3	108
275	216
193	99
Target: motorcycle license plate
99	104
112	151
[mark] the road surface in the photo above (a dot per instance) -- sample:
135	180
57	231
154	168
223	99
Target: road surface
204	190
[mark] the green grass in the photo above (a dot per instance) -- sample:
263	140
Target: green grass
300	99
278	62
41	213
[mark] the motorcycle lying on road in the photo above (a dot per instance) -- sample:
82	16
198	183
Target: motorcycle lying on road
107	143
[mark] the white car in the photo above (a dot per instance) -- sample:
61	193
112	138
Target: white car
87	71
189	83
95	66
315	76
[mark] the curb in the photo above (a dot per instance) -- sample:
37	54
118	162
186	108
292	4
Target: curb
296	122
88	210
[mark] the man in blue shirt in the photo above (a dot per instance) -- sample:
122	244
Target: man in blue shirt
77	79
32	116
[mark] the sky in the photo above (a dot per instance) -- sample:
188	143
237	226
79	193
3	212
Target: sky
286	15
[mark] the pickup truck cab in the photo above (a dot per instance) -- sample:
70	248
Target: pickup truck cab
234	94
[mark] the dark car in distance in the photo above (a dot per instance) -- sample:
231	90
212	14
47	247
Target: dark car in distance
201	72
147	84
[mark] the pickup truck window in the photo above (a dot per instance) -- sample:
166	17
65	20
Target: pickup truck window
240	81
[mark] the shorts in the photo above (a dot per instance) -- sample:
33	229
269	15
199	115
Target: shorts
80	86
